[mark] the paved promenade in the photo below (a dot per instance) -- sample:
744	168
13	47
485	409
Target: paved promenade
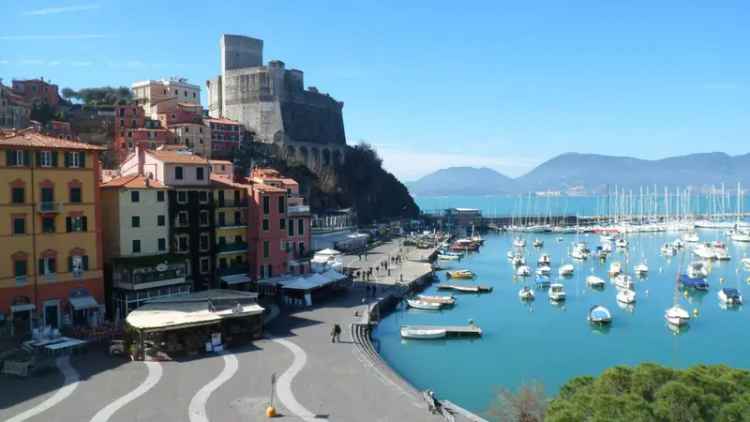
316	379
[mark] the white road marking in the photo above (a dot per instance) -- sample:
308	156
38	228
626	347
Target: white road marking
197	407
284	383
71	383
154	375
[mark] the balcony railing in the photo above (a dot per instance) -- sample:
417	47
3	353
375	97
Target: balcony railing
298	209
231	224
49	207
231	247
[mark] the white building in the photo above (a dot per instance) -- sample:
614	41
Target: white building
162	96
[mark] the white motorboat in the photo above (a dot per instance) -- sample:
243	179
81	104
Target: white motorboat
622	243
722	254
697	269
626	296
615	268
676	315
424	305
518	261
519	242
556	292
606	238
606	248
678	243
442	257
443	300
538	243
543	270
544	259
730	296
566	270
668	250
526	293
691	237
599	315
704	252
578	254
624	281
422	333
641	269
740	236
595	281
523	271
511	254
746	262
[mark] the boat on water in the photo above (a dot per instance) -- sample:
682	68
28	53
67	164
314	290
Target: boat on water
511	254
624	281
526	293
677	315
538	243
519	260
599	315
615	268
566	270
578	255
698	269
462	245
443	257
641	269
704	251
688	282
626	296
691	237
622	243
543	270
423	305
461	274
519	242
730	296
668	250
678	243
443	300
542	281
523	271
594	281
544	259
746	262
740	236
606	238
422	333
556	292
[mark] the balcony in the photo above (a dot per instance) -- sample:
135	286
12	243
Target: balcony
48	207
231	225
231	203
231	248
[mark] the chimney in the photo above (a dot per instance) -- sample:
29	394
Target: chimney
141	157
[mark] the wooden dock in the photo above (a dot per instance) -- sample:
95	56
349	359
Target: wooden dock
465	288
452	330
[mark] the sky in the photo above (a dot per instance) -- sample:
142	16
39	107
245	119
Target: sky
433	84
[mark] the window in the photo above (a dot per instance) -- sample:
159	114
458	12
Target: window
290	228
300	227
76	224
182	197
16	158
47	265
136	246
135	221
178	173
265	224
160	196
221	198
75	195
238	239
266	249
237	218
222	219
182	218
160	220
19	225
74	159
135	196
266	205
77	264
182	243
20	268
162	244
48	224
282	224
287	247
204	218
222	240
203	197
48	194
18	195
222	263
199	173
205	265
282	204
46	158
301	248
204	242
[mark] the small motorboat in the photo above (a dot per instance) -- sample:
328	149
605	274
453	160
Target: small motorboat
460	274
442	257
578	254
641	269
730	296
519	260
594	281
511	254
688	282
566	270
467	289
615	268
599	315
526	293
544	259
519	242
624	281
538	243
556	292
668	250
543	270
691	237
523	271
606	238
746	262
626	296
676	315
443	300
542	281
422	333
697	269
622	243
678	243
705	252
423	305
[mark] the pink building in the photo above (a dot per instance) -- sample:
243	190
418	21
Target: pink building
226	136
37	91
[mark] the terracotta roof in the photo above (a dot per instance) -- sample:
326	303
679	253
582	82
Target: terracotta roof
220	162
267	188
227	182
36	140
177	157
222	120
132	181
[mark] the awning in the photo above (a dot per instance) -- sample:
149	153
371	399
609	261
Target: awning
22	307
83	302
333	275
236	279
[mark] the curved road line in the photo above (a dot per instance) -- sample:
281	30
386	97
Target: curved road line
197	407
154	375
71	383
284	383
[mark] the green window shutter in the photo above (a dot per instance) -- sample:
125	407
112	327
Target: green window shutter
26	158
40	268
85	259
68	224
54	158
84	223
66	158
10	157
38	158
70	264
53	265
82	156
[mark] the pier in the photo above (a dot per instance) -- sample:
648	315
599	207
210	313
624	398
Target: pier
451	330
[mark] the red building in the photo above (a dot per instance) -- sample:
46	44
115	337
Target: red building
133	128
226	136
37	91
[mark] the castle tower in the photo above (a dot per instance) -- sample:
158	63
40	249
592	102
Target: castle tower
238	52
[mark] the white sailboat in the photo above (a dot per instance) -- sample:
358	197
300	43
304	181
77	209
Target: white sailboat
566	270
556	292
626	296
594	281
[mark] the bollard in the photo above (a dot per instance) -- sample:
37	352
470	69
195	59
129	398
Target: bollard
271	412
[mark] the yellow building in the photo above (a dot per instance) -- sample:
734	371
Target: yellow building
50	232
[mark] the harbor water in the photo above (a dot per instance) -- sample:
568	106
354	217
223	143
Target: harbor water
551	344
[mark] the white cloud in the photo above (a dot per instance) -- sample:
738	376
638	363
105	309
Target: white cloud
61	9
410	165
52	37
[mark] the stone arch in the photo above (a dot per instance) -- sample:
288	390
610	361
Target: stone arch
326	157
304	156
315	156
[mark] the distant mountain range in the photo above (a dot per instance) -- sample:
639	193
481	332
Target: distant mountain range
590	173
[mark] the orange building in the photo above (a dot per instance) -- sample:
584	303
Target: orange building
50	232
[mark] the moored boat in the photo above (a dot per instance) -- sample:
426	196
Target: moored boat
544	259
461	274
688	282
443	300
543	270
422	333
626	296
676	315
641	269
615	268
730	296
526	293
599	315
566	270
697	269
556	292
595	281
423	305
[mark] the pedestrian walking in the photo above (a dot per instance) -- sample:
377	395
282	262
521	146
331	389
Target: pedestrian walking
337	333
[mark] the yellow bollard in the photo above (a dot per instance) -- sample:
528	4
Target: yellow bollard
271	412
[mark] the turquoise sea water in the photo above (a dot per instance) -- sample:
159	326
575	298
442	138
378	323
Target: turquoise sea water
552	344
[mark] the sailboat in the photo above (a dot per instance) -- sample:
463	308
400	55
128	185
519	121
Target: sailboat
677	315
738	234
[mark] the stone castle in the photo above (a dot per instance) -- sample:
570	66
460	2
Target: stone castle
270	100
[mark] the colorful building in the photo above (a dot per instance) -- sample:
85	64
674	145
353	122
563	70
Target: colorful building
162	96
194	136
51	254
139	265
37	91
14	111
226	136
231	201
